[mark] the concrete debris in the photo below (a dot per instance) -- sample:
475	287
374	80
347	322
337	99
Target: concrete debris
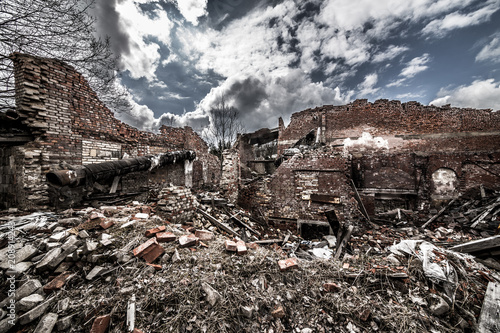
46	324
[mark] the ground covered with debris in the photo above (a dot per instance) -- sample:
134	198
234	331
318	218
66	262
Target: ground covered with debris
139	267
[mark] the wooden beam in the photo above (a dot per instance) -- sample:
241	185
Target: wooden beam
343	243
432	219
363	209
234	218
488	320
217	223
325	198
478	245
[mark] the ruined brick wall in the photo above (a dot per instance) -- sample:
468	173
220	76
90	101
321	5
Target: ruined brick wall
230	180
71	124
315	172
419	140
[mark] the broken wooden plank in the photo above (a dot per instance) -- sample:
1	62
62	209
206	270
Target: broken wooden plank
488	320
358	198
268	241
114	186
343	243
243	224
478	245
488	210
432	219
325	198
217	223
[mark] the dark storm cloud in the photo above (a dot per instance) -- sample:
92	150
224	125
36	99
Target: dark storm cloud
247	94
108	24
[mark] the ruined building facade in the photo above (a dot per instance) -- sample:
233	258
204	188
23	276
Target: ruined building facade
385	154
59	119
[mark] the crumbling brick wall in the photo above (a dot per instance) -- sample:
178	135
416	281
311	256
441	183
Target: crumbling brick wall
70	124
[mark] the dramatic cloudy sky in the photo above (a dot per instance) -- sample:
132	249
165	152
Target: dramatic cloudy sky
273	58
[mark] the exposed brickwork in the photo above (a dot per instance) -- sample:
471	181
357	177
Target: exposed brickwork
71	124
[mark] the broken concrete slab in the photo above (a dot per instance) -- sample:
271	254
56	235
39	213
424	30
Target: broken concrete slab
488	320
62	256
6	324
26	253
64	323
28	288
48	259
46	325
59	236
27	303
95	272
35	313
19	268
213	295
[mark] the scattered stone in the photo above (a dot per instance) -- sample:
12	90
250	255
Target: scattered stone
213	295
72	240
89	246
63	305
176	257
332	241
57	260
59	236
247	311
141	216
28	288
27	303
35	313
438	306
51	256
26	253
279	312
19	268
6	324
46	325
83	234
95	272
64	323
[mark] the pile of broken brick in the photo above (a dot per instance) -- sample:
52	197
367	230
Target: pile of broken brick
127	268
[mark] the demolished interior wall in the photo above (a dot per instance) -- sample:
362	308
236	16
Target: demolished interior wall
69	124
397	155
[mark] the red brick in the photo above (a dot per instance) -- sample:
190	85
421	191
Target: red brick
241	247
136	330
100	324
253	246
56	283
231	246
188	240
287	264
106	224
164	237
138	251
155	266
204	235
153	231
153	252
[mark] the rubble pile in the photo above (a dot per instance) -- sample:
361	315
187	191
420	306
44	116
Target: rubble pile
127	268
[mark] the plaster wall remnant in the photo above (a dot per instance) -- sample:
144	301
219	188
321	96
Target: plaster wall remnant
59	121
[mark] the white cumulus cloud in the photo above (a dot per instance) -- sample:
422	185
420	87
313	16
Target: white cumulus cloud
192	10
490	52
481	94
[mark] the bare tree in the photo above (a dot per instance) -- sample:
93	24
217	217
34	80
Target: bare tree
224	127
57	29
